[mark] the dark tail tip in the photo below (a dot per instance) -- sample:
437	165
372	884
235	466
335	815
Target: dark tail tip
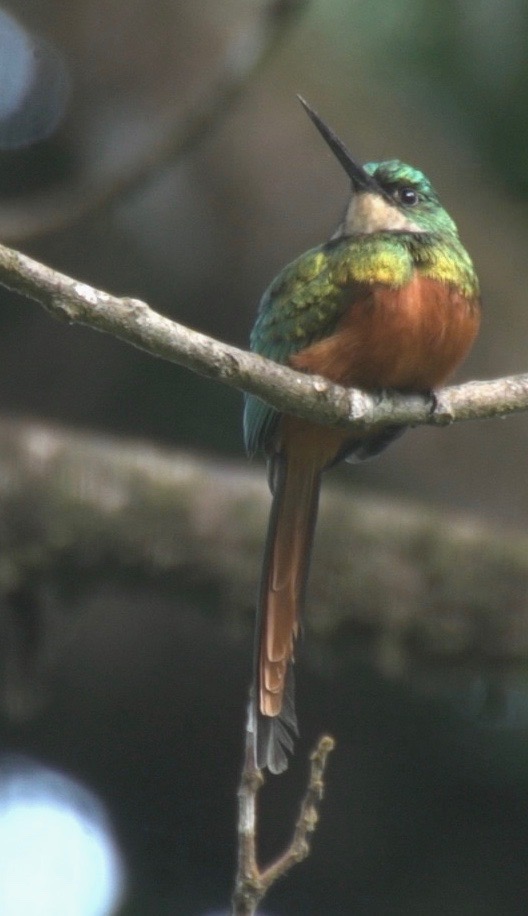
275	735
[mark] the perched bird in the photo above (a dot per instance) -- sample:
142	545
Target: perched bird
391	301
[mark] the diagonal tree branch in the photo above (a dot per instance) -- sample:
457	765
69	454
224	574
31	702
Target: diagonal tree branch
306	396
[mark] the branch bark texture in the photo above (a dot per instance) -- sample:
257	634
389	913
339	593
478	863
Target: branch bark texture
253	883
311	397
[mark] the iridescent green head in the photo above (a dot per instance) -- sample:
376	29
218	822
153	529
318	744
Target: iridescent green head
386	196
410	192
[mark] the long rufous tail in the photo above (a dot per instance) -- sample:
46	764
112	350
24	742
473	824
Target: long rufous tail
295	480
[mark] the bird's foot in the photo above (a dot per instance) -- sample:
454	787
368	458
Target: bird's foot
383	394
431	401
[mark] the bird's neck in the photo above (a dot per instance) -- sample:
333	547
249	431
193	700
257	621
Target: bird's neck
444	258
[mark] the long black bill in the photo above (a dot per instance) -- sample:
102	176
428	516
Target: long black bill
361	180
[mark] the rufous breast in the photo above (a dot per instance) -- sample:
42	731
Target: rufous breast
411	338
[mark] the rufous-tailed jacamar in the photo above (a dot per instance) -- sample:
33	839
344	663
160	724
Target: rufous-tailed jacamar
391	301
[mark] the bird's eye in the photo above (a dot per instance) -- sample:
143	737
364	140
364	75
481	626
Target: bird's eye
407	196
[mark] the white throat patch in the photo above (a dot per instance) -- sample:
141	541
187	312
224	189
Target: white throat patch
368	212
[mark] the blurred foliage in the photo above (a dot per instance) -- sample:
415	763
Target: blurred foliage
464	62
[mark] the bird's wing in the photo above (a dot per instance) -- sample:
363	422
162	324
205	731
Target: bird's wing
302	305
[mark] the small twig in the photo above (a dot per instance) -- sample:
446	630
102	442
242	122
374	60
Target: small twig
252	883
299	848
244	58
304	395
249	889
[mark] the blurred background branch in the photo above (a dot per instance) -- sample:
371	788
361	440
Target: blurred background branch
174	134
78	511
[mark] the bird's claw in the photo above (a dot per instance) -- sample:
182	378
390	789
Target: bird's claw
383	394
431	401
